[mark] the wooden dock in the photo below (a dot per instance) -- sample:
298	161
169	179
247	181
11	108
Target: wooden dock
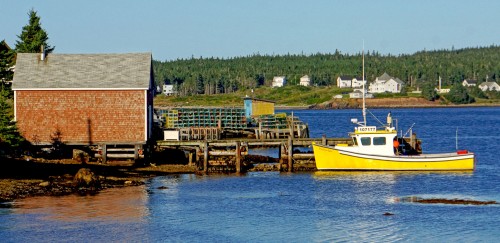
207	154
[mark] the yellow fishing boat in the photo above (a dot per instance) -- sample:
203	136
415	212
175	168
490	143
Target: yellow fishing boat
375	148
381	149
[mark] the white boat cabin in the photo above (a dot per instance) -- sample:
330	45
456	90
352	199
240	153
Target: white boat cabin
369	140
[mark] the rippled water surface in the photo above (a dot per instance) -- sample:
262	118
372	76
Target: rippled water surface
298	207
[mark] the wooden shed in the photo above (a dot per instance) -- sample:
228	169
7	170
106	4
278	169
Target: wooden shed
257	107
88	99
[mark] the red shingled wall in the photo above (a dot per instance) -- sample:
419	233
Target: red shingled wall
82	117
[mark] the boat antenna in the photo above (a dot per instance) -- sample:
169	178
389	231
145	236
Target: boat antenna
363	81
376	119
409	130
456	139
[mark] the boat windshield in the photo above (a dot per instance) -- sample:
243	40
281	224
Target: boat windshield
366	141
379	141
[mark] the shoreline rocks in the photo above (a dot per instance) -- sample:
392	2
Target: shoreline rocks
21	178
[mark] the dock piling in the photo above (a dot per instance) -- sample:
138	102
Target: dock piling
205	156
104	153
290	154
190	159
238	157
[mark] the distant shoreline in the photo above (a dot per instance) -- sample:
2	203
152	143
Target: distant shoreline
395	103
383	107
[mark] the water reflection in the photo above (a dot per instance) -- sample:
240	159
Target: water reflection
381	176
117	205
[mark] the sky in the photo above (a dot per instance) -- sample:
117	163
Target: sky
180	29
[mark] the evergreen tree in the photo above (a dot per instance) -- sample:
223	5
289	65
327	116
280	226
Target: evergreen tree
477	92
458	95
429	92
256	70
33	36
6	61
10	139
200	84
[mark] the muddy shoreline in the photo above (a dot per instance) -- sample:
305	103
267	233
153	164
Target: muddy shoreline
20	178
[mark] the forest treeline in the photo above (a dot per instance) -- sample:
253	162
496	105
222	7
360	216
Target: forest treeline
216	75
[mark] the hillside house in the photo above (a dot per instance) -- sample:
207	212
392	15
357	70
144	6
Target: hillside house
489	86
168	89
349	82
344	81
305	80
89	99
358	82
442	91
279	81
469	82
386	83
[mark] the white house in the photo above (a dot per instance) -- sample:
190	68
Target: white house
305	81
358	82
386	83
279	81
469	82
344	82
489	86
168	89
348	82
442	91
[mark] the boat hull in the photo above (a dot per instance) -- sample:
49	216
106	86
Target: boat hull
330	158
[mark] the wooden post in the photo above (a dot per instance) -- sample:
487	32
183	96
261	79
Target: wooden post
238	157
323	139
205	157
190	156
292	124
260	129
136	152
104	151
280	156
290	154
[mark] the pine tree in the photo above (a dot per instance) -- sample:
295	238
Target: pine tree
458	95
10	139
6	62
33	36
429	92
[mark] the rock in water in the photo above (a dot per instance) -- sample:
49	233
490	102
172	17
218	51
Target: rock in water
86	178
44	184
80	156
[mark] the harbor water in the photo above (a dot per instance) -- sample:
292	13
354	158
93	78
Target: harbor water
293	207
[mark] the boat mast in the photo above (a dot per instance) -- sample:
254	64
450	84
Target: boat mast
363	80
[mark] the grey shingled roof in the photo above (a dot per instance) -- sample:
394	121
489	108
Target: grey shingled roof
471	81
83	71
384	76
345	78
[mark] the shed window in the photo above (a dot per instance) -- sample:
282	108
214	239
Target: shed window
365	141
379	141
